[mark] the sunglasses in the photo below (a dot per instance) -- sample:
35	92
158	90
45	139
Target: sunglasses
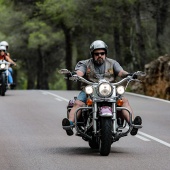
2	50
97	54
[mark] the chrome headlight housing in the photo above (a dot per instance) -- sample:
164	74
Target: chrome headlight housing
105	90
2	66
120	90
88	89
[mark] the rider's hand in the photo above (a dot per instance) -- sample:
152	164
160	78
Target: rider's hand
134	76
13	64
68	75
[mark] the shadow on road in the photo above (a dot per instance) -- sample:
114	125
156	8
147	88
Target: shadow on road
83	151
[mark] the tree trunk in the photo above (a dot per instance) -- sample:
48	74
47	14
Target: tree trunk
42	73
31	82
31	75
161	14
125	32
117	45
139	36
68	47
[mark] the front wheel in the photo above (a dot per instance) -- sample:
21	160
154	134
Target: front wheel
3	84
106	136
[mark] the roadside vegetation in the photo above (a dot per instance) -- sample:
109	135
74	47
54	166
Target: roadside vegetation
47	35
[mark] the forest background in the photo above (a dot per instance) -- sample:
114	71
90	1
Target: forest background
47	35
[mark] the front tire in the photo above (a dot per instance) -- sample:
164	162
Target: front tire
106	136
3	84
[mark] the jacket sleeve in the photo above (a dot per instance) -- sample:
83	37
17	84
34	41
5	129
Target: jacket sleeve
81	65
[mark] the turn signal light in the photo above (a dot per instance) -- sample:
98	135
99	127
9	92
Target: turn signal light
119	102
89	102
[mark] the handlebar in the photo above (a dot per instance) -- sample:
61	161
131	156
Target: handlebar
76	77
4	62
128	78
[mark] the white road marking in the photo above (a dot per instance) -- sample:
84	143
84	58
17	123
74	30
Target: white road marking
148	97
58	97
139	132
155	139
142	138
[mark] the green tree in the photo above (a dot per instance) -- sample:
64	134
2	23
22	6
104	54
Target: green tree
46	35
60	14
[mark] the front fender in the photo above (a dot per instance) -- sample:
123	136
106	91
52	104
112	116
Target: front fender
105	111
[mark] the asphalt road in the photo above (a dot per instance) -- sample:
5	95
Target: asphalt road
32	138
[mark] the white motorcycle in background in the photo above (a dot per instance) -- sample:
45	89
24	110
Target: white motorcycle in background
4	65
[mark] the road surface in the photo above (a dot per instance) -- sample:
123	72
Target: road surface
32	138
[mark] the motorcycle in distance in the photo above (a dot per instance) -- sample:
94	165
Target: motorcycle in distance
100	123
4	85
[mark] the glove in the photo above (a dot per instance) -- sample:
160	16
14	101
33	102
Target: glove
68	75
134	76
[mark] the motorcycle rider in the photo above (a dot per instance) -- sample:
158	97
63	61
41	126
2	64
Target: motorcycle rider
4	56
99	66
5	43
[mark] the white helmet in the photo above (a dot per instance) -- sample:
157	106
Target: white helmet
4	43
98	44
3	48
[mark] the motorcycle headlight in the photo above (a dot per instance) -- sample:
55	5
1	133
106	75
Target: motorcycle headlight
105	89
2	66
120	90
89	89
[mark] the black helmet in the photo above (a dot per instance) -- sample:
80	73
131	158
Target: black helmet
98	44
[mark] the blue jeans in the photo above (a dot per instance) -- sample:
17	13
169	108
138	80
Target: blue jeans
82	97
9	72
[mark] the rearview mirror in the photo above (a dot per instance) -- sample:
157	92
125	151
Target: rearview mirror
15	60
64	71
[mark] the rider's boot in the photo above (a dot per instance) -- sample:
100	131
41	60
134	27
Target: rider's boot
68	126
12	85
137	121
